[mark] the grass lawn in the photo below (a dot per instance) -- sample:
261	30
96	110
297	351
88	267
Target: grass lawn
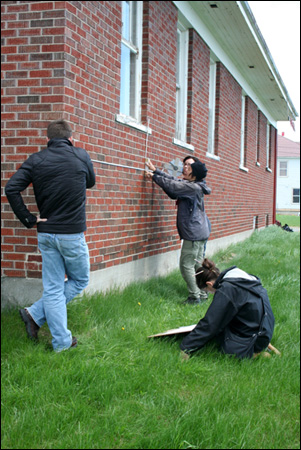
120	390
292	221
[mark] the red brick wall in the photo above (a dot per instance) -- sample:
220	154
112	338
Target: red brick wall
238	195
62	59
32	94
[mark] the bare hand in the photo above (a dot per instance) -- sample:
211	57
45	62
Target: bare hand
149	175
150	165
184	356
40	220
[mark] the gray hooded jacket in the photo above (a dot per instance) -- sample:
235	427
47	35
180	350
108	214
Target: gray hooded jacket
192	221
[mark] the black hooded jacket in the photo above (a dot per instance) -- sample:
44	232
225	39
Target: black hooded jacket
60	175
236	310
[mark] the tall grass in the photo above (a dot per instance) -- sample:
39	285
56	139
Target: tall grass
120	390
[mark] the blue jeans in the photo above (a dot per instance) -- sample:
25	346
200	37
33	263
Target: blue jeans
61	254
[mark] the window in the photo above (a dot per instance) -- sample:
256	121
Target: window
296	195
283	168
242	134
131	57
268	148
212	93
258	139
267	220
255	222
181	86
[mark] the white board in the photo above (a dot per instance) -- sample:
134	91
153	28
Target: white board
175	331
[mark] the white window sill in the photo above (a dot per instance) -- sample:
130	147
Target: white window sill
212	156
244	169
183	144
130	122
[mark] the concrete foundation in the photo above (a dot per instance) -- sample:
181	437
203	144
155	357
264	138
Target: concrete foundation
24	291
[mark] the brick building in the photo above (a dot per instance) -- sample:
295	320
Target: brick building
136	79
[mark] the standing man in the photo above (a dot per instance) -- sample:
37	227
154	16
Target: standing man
60	175
192	222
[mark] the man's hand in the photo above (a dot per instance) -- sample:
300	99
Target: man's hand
40	220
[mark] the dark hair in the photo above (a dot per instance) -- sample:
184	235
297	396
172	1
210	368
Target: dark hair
208	272
59	129
195	159
199	170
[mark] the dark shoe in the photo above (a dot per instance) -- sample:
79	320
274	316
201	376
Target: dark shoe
287	228
74	342
192	301
195	301
203	296
31	327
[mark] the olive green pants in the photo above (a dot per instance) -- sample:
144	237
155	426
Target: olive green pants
192	251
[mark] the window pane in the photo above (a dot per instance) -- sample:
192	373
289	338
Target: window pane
283	168
126	20
296	195
134	28
133	81
211	120
178	58
181	83
125	81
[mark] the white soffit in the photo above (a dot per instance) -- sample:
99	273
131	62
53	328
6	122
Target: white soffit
230	31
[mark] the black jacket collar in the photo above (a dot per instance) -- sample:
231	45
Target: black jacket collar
59	142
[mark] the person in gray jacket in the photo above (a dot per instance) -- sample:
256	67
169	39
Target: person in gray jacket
192	222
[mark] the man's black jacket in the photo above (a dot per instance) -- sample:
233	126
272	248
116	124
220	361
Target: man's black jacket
60	175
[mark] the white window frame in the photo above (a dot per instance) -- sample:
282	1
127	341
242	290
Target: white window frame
181	84
257	139
283	168
211	118
268	148
242	134
131	69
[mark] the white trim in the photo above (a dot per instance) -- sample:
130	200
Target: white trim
212	156
268	145
212	95
183	144
242	132
129	121
182	82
